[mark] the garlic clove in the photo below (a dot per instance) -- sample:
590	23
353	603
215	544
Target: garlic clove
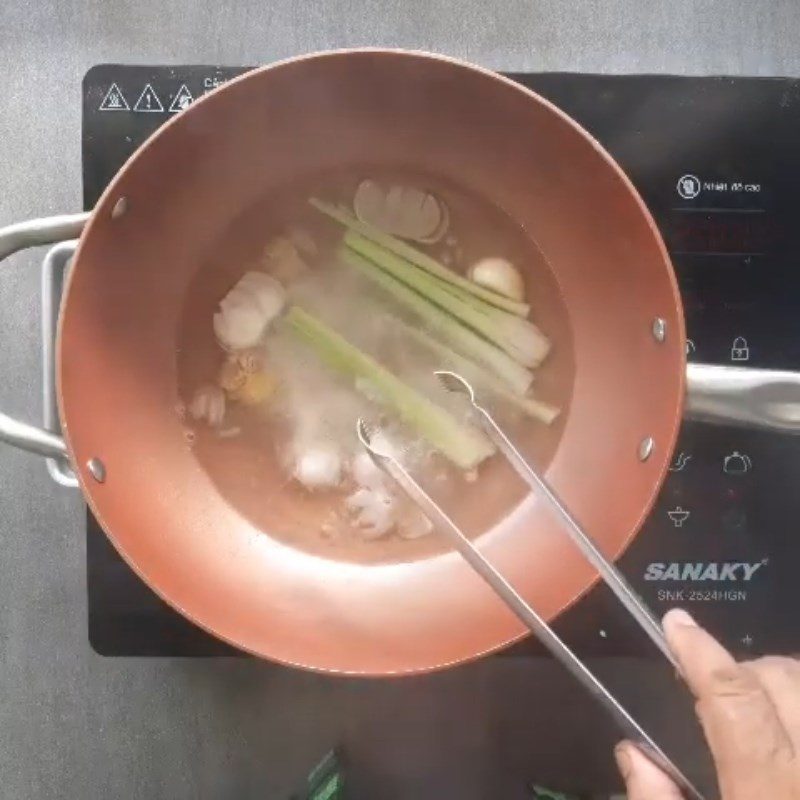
499	275
238	297
208	405
239	328
374	511
266	291
247	310
318	468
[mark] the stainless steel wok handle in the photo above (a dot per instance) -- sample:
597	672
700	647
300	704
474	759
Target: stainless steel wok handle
35	232
16	237
754	398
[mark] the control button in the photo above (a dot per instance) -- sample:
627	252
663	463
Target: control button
680	461
734	520
678	516
740	350
736	463
688	186
691	348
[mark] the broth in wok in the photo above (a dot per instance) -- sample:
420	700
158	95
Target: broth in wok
338	298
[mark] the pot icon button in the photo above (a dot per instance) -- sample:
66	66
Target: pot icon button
736	463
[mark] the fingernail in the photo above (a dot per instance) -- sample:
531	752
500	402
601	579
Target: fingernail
623	759
677	616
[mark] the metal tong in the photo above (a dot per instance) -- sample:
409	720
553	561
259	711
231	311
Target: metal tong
630	728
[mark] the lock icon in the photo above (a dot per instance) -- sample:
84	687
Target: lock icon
740	350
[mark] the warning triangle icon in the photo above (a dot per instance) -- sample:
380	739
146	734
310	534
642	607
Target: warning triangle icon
148	101
114	100
183	99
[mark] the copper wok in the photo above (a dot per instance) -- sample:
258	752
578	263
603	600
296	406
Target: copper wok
621	342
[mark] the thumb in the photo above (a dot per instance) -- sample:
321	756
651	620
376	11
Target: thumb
643	779
751	747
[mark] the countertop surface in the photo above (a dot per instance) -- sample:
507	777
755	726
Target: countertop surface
73	724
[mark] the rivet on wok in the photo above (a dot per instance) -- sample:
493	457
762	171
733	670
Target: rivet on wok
97	469
120	207
646	447
659	329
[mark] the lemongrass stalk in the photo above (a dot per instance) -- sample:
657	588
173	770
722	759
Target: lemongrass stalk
448	327
465	446
420	259
520	338
474	372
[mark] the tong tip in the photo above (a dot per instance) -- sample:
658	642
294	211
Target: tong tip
364	435
454	382
373	441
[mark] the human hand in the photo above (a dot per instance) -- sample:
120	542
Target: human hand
750	713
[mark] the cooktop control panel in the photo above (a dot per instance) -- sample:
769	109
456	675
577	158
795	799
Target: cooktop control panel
717	161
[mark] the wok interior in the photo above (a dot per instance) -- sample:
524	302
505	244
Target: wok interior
246	469
201	527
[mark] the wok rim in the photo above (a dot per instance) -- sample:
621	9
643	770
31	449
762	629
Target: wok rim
105	204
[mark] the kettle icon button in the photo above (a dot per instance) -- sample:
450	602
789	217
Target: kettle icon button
737	463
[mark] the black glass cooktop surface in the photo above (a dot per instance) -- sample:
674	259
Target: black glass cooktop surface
717	161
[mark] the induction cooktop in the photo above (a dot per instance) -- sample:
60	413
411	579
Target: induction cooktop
717	161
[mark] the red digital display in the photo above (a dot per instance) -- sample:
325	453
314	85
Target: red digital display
722	232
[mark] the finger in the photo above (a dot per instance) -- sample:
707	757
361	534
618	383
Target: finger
780	677
643	779
699	655
746	736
